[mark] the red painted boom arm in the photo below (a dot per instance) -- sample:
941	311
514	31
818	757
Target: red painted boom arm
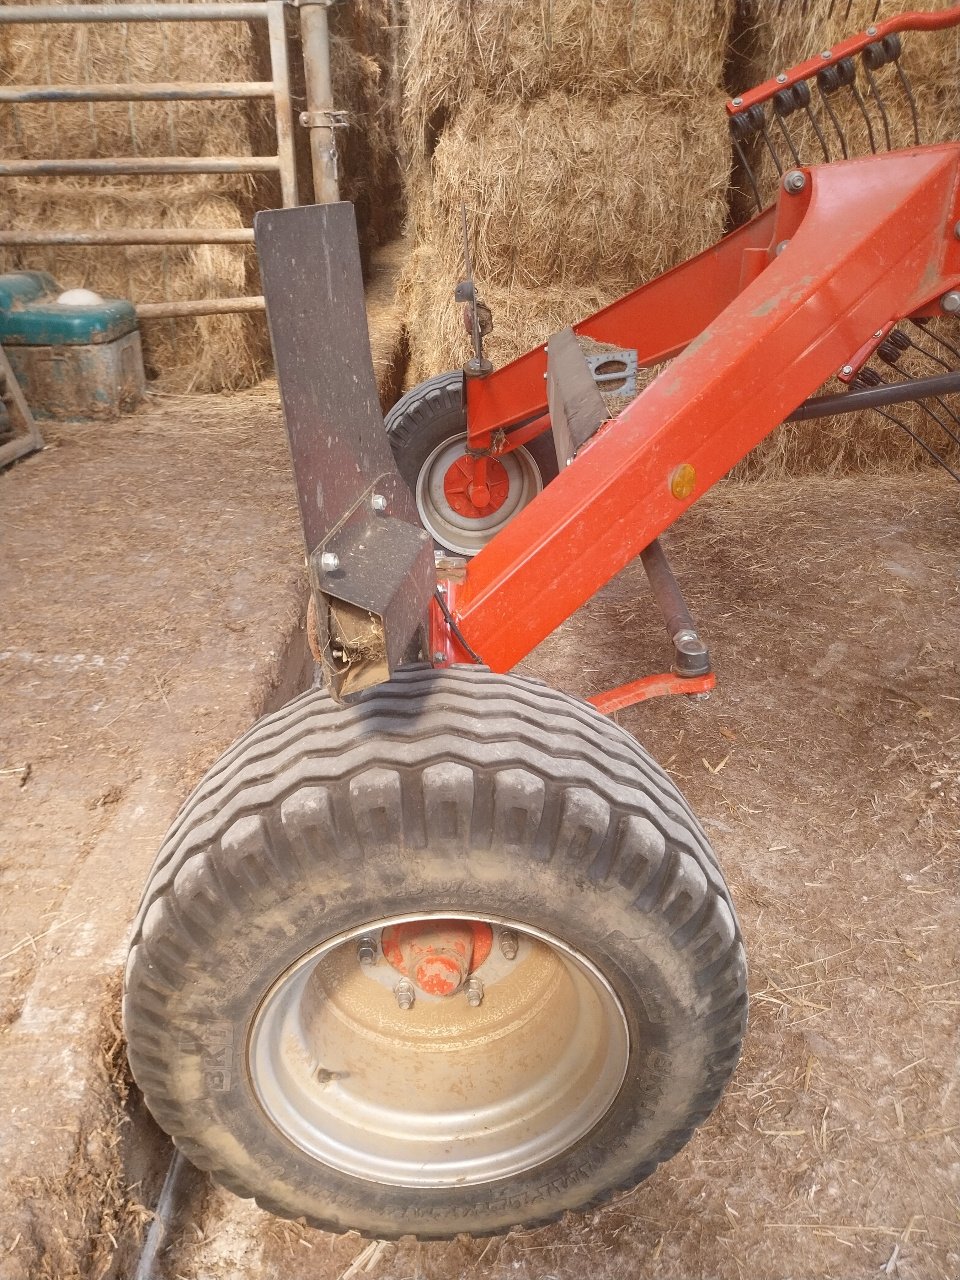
869	241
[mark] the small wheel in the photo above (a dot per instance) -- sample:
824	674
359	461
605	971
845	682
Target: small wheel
453	958
428	434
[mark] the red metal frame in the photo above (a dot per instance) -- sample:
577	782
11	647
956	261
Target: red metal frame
868	242
853	44
658	686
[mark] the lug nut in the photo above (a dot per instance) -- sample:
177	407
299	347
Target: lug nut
509	944
367	951
439	656
951	302
405	993
794	181
474	991
378	502
329	562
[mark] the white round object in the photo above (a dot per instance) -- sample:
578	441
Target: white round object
79	298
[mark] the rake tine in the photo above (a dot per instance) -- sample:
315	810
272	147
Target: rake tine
858	98
786	133
836	123
908	94
817	130
877	97
770	147
750	175
935	337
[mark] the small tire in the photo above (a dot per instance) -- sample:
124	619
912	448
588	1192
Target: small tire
426	427
458	793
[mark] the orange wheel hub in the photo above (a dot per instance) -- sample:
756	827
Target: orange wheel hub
476	487
438	955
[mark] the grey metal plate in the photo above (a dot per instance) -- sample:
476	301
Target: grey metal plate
576	406
313	288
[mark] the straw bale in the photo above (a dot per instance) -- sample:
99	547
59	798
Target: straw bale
515	50
577	199
206	353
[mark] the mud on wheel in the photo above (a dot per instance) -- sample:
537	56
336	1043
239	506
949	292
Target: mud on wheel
427	428
452	958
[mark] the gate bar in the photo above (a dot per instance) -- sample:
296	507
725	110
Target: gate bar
173	92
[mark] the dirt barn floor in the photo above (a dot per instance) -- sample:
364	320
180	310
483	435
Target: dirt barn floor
149	604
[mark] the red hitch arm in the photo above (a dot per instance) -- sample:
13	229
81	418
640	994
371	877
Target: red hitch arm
868	241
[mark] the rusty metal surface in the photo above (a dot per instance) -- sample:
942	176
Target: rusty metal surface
282	109
140	165
133	235
225	11
366	545
207	91
576	406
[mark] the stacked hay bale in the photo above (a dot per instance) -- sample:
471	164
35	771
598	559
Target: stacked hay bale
200	354
588	142
781	35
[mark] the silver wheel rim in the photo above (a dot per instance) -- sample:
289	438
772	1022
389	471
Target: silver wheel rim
441	1094
461	533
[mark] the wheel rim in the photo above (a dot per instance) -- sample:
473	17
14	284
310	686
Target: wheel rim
444	1093
464	533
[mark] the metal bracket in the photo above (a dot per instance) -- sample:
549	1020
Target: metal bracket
615	371
325	119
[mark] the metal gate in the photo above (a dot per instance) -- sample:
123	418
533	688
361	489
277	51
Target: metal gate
276	89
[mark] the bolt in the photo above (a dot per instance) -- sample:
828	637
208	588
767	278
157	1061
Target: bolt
878	333
951	302
509	943
701	697
871	31
439	657
794	181
782	78
378	502
826	53
329	562
405	993
738	102
474	991
847	370
367	950
780	247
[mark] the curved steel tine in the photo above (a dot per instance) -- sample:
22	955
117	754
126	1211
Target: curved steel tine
935	337
750	174
770	147
847	13
908	94
816	129
922	443
786	133
858	98
836	123
878	99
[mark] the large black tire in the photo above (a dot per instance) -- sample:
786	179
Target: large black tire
428	417
448	792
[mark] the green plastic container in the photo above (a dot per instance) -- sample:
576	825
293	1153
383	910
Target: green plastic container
73	362
30	315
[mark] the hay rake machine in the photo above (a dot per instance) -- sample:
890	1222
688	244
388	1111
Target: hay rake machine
436	948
